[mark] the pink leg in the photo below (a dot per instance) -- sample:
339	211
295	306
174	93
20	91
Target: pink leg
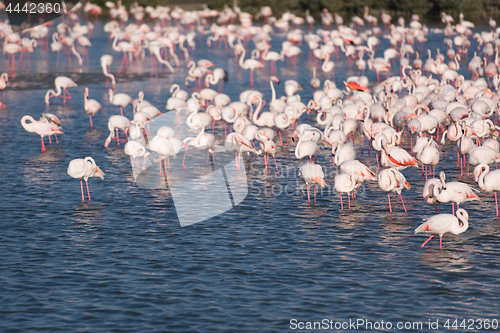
185	153
308	198
276	165
121	110
389	197
496	202
159	161
428	239
349	200
50	141
265	163
88	192
341	203
43	145
452	208
90	116
81	186
117	138
402	202
314	190
57	140
440	242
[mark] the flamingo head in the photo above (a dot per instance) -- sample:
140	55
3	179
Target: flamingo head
98	173
275	79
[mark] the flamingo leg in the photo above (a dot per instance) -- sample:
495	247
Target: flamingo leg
440	242
428	239
121	110
349	200
50	141
452	208
496	203
57	140
402	202
185	153
314	189
265	163
88	192
389	197
43	145
277	166
81	186
341	203
308	198
90	116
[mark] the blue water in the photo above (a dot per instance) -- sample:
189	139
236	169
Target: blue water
122	263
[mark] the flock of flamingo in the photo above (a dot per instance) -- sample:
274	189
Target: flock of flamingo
424	105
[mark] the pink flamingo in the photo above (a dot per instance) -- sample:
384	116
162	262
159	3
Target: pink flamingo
443	223
312	174
488	181
91	106
60	82
40	127
84	168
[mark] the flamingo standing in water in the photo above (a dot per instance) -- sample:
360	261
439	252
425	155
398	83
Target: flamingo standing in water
121	99
391	180
455	192
40	127
443	223
61	82
488	181
251	64
84	168
347	183
124	47
106	61
312	173
116	123
91	106
4	78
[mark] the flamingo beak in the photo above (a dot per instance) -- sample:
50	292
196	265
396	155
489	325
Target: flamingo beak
99	173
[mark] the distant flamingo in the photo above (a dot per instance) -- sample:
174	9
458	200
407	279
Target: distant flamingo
91	106
61	82
121	99
250	64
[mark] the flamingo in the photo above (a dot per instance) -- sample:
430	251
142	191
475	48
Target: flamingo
91	106
250	64
267	147
116	123
124	47
392	180
443	223
84	168
164	148
4	78
106	61
488	181
121	99
312	174
40	127
347	183
61	82
202	141
455	192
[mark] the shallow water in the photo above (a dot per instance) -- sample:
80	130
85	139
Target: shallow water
123	263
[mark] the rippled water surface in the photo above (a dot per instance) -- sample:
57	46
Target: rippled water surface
123	263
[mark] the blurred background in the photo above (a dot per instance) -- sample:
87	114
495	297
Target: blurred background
429	9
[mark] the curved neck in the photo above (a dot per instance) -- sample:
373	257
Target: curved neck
260	106
484	172
242	57
273	92
464	220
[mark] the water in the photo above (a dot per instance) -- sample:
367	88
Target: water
123	263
